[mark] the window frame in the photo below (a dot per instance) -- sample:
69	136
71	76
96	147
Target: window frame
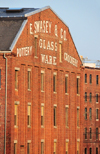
97	79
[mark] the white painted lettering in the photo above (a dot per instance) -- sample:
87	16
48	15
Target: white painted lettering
31	32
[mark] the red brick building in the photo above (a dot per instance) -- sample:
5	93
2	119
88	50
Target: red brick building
91	128
41	84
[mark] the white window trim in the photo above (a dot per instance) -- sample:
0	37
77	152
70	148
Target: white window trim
17	68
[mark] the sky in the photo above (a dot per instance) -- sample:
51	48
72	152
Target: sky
81	16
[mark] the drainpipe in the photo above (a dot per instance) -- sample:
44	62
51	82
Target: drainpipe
5	103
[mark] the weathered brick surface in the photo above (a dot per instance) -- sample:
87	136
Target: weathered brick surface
35	133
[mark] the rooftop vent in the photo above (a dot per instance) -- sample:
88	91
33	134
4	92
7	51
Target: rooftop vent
13	10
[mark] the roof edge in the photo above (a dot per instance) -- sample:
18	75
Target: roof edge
18	35
42	9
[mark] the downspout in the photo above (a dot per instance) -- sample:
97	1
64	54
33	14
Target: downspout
5	104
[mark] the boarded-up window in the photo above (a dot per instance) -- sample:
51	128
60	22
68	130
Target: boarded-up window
28	148
77	147
35	46
54	82
16	79
66	114
60	52
29	116
15	115
90	113
66	84
29	80
15	144
42	81
77	85
66	147
55	144
77	117
42	147
42	115
55	120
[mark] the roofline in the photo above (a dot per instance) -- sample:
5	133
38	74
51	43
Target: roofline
18	35
42	9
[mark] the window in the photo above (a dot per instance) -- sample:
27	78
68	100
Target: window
66	147
55	144
35	54
85	96
29	79
97	80
77	85
77	147
28	148
96	150
42	80
96	113
85	133
0	78
60	51
85	113
90	97
15	144
42	115
55	120
90	133
42	147
90	78
85	150
96	133
90	113
96	97
90	150
85	78
77	117
29	115
16	79
15	115
66	83
54	82
66	112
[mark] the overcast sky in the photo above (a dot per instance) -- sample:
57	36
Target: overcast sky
81	16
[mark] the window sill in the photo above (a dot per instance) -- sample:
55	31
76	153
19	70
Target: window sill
16	89
15	126
29	89
78	127
35	57
67	127
42	91
29	126
55	92
66	94
97	102
78	94
42	126
97	119
55	126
